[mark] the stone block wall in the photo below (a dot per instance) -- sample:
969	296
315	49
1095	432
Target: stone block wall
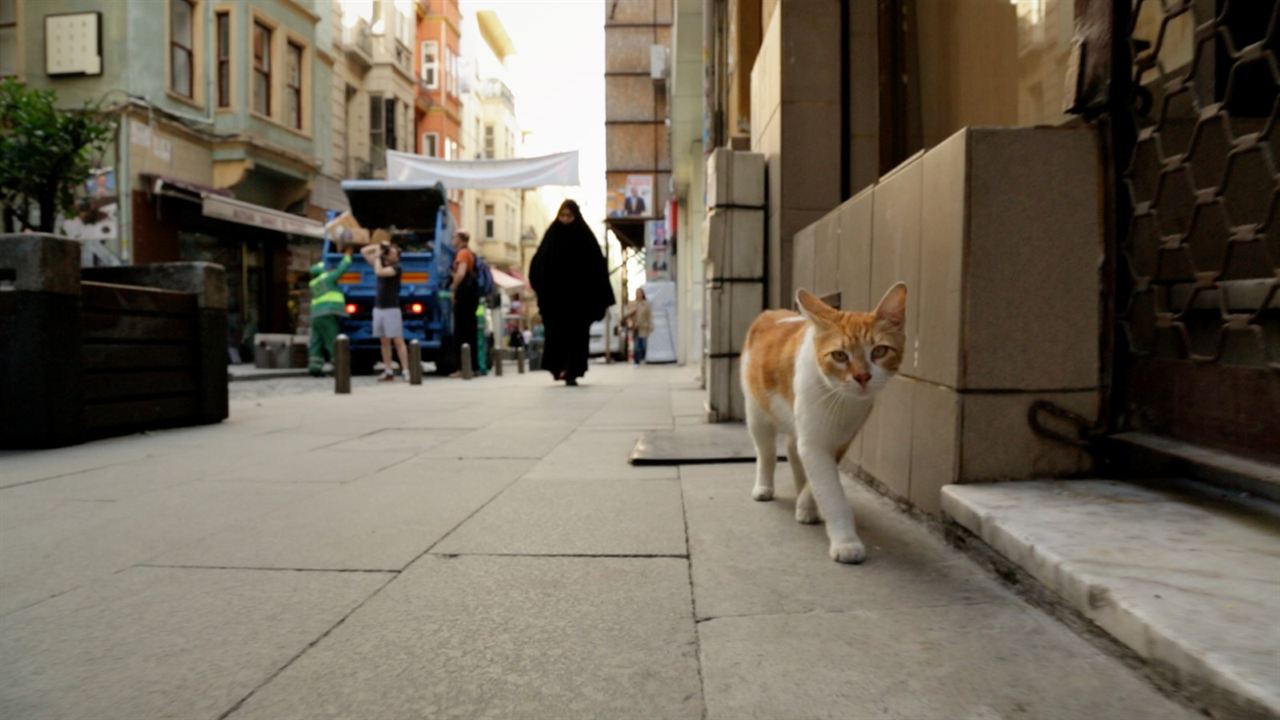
998	235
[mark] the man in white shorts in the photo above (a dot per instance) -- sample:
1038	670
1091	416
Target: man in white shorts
388	323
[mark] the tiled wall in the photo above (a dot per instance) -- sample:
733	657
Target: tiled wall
998	235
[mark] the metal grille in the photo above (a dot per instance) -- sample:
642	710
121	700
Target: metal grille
1198	268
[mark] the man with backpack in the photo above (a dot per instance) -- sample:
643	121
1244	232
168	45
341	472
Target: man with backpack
466	292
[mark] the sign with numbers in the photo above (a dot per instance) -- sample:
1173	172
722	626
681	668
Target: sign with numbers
73	44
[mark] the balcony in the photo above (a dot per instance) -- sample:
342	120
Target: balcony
358	43
496	89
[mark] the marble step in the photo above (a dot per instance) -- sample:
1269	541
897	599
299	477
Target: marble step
1186	576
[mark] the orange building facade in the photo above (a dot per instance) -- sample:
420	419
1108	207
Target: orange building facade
438	111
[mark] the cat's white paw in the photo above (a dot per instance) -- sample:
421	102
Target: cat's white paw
807	512
848	552
761	494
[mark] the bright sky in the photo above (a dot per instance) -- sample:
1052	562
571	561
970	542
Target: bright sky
557	77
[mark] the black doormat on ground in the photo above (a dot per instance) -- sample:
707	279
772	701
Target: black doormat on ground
695	444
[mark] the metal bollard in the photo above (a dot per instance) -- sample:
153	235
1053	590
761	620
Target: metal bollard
520	356
342	365
497	362
415	362
467	371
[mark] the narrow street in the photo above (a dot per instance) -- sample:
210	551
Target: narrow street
483	549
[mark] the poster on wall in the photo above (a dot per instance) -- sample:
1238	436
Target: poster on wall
657	251
634	198
96	214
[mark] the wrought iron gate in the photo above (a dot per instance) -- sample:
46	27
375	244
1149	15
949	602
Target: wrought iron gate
1197	225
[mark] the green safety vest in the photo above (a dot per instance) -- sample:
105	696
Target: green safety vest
326	297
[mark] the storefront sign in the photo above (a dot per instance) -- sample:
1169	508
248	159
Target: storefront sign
238	211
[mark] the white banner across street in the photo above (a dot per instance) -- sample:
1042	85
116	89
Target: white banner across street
517	173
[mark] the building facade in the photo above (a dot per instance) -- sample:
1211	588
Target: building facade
490	131
439	97
222	135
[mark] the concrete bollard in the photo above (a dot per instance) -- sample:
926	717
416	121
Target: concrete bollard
520	356
342	365
415	362
497	362
467	371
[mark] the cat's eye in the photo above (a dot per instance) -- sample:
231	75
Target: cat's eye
879	351
840	356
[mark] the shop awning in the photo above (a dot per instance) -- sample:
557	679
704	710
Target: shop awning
514	174
239	211
218	204
505	281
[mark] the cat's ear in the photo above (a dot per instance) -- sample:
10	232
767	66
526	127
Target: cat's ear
814	309
893	306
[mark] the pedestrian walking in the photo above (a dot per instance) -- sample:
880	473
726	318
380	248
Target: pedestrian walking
571	279
465	290
327	305
388	320
639	317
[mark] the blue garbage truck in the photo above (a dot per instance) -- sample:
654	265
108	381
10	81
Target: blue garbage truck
418	219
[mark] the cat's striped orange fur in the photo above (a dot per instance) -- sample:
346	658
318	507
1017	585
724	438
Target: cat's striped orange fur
813	376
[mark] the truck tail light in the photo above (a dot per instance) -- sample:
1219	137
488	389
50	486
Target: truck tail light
416	308
351	308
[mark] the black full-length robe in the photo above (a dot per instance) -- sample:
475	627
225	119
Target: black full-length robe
571	278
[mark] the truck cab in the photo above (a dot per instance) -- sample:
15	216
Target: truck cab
418	219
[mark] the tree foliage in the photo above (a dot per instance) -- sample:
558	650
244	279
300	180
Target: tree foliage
45	153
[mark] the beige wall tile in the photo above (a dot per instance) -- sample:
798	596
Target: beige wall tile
939	292
887	439
735	243
790	222
1033	256
735	178
810	164
853	241
826	256
810	40
935	436
731	308
803	263
895	248
766	78
998	444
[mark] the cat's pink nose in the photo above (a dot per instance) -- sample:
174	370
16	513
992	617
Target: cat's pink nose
863	378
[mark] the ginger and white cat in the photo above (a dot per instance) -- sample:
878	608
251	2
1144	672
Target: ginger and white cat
813	377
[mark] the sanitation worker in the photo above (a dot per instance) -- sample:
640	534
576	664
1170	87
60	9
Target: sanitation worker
327	305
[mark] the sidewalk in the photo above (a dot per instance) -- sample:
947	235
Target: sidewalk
482	549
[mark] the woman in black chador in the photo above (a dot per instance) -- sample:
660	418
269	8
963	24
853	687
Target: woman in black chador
571	279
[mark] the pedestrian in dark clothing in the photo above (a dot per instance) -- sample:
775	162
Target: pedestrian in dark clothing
465	289
571	278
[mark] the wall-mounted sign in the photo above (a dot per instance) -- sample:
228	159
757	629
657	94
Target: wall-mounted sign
73	44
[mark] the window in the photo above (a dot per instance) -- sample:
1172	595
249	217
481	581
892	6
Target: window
488	141
450	149
377	131
261	69
293	86
222	26
430	64
182	16
430	143
8	37
488	221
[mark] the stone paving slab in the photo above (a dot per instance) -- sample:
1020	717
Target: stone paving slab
363	525
571	517
396	439
164	643
1184	579
590	454
39	561
426	469
502	637
508	438
316	466
992	661
752	557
